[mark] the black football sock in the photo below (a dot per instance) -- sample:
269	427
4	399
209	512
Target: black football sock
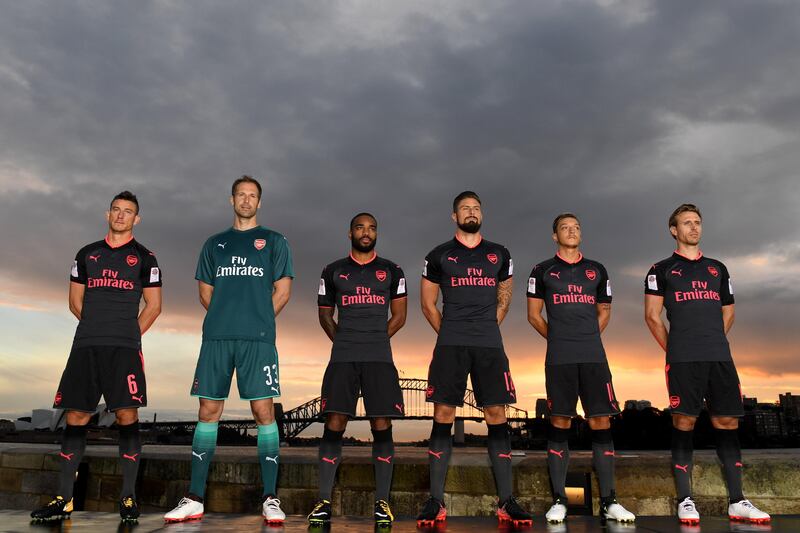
439	450
558	460
330	451
130	451
603	458
682	461
500	454
73	444
382	457
729	452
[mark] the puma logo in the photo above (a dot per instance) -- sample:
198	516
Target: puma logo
556	275
609	453
677	273
222	244
67	456
276	390
739	464
199	455
505	455
685	468
387	460
345	276
559	453
331	461
273	459
398	407
137	398
438	455
453	259
94	257
130	457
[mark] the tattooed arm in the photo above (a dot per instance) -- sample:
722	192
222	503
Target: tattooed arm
504	291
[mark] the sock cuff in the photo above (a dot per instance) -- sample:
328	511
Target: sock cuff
498	430
77	431
207	427
441	430
382	435
557	434
268	429
129	429
725	436
330	435
602	436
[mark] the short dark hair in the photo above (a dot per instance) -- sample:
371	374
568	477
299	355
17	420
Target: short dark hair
246	179
463	196
683	208
561	217
364	214
126	195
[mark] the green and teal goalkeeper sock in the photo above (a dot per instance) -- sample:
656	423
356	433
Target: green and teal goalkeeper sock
203	445
268	452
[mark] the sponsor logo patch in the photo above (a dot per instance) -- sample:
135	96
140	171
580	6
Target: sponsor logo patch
591	274
510	267
730	286
401	286
74	270
492	258
321	291
131	260
674	401
532	285
425	269
652	284
381	275
155	275
608	287
259	244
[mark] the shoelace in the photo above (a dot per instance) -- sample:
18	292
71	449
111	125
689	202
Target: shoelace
127	502
687	505
746	503
185	501
383	505
275	503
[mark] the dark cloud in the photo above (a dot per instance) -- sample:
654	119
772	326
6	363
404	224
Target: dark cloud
618	113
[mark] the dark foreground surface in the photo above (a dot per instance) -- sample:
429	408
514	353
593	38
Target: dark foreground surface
91	522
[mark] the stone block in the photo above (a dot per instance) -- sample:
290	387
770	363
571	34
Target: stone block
356	476
17	500
26	461
298	475
297	501
52	461
110	487
470	480
39	482
235	472
11	479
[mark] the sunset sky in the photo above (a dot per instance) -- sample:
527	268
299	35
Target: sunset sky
617	111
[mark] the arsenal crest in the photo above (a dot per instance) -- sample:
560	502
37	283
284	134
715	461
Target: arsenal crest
713	271
259	244
492	258
674	401
591	274
429	391
381	275
57	399
322	404
131	260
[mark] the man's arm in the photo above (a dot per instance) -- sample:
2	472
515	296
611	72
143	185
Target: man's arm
329	325
152	307
76	291
653	305
603	315
727	317
535	307
281	291
398	309
206	291
429	294
504	291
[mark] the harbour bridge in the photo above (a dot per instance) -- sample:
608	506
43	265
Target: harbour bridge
292	422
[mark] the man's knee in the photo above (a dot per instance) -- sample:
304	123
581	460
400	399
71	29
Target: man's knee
599	422
683	422
444	414
210	410
495	414
126	417
336	421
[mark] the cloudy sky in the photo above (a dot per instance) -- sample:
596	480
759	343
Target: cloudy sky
617	111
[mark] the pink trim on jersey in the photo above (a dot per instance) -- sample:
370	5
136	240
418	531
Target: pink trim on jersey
580	258
699	255
467	245
371	259
119	245
325	306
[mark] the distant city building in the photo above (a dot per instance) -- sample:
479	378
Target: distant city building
749	403
790	405
637	405
541	408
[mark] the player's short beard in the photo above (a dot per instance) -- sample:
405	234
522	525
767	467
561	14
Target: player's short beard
470	227
360	247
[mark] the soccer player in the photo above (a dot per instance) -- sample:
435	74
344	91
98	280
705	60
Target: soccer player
576	292
698	295
107	282
244	276
475	278
364	288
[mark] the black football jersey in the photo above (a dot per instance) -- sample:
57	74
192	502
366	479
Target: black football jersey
694	292
468	278
362	294
114	278
571	292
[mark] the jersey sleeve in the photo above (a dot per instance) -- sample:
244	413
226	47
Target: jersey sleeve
725	287
205	265
78	272
507	267
151	272
536	283
282	259
432	271
326	295
398	288
604	286
655	281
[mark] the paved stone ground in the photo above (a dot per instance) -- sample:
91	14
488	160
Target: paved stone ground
93	522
